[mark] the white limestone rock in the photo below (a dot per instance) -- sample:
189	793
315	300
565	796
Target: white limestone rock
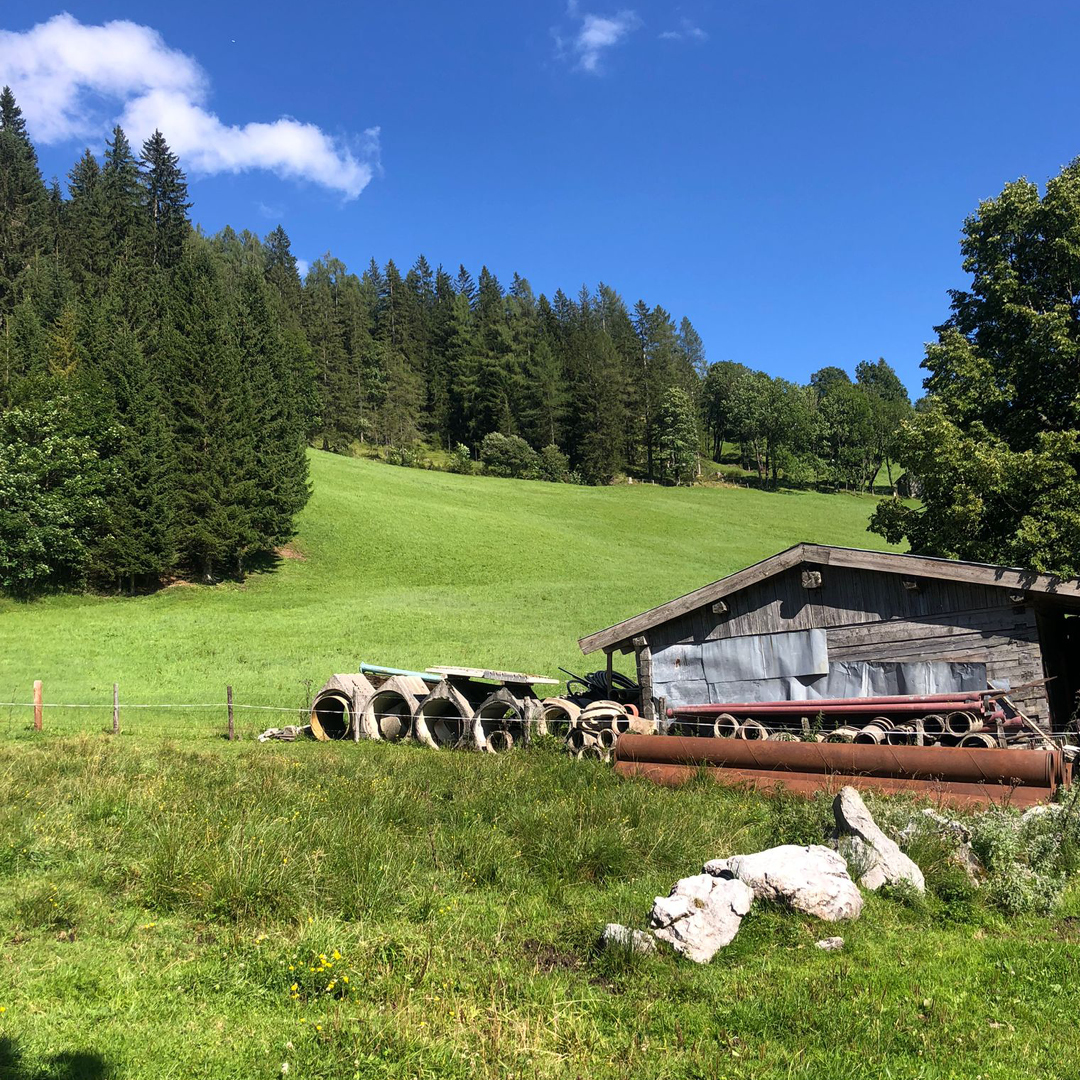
701	915
810	879
888	865
622	936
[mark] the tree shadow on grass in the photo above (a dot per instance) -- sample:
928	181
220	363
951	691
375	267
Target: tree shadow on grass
67	1065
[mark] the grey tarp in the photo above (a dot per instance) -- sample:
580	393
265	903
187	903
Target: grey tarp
794	666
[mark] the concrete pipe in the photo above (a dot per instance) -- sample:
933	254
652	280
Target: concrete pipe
389	712
725	726
871	734
882	722
979	738
933	724
752	730
784	736
559	715
600	714
605	739
444	718
500	711
959	723
577	738
901	735
332	711
842	735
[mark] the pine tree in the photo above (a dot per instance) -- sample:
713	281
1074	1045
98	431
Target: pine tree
24	202
213	423
124	199
166	201
84	229
281	269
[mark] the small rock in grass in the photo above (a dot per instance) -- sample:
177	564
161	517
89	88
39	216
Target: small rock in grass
888	864
701	915
635	940
1040	810
830	944
810	879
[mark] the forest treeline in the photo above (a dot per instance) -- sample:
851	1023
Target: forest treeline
159	387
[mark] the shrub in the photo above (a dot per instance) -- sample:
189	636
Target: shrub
461	460
406	456
554	464
509	455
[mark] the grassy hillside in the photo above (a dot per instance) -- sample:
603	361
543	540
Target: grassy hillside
233	910
407	568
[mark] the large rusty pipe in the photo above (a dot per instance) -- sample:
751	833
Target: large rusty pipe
1042	768
951	793
888	699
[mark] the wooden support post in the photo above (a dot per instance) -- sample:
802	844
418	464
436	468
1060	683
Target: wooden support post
610	661
920	732
228	699
644	671
116	708
355	714
37	705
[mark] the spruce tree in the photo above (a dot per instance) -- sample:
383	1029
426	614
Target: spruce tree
166	201
24	202
124	200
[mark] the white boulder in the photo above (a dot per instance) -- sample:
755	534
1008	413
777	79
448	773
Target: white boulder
701	915
888	865
810	879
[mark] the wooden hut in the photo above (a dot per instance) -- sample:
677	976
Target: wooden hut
824	622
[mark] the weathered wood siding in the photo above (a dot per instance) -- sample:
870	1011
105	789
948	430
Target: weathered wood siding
871	616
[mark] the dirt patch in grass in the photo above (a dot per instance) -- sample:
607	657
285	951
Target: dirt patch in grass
549	958
290	551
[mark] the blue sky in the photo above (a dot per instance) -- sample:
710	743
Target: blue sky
792	177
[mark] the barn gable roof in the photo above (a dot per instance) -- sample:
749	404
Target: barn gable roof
888	562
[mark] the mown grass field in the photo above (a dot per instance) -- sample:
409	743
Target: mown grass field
407	568
176	906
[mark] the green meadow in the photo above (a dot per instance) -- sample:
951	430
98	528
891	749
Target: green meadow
408	568
177	906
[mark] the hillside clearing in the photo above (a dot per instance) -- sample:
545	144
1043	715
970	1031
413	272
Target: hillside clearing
410	568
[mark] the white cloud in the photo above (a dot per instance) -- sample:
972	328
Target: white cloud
72	80
302	267
687	31
595	33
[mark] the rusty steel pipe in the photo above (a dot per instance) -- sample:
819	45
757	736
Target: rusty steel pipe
888	699
952	793
1034	768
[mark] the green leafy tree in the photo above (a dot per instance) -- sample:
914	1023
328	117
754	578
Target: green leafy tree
994	453
679	437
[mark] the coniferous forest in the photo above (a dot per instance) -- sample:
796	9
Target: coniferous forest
159	387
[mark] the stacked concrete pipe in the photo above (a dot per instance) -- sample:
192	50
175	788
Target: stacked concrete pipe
388	714
338	706
444	718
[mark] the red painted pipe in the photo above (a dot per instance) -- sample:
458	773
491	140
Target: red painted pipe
888	699
1034	768
951	794
800	708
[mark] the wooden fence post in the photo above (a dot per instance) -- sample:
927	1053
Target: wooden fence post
228	698
116	708
37	705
